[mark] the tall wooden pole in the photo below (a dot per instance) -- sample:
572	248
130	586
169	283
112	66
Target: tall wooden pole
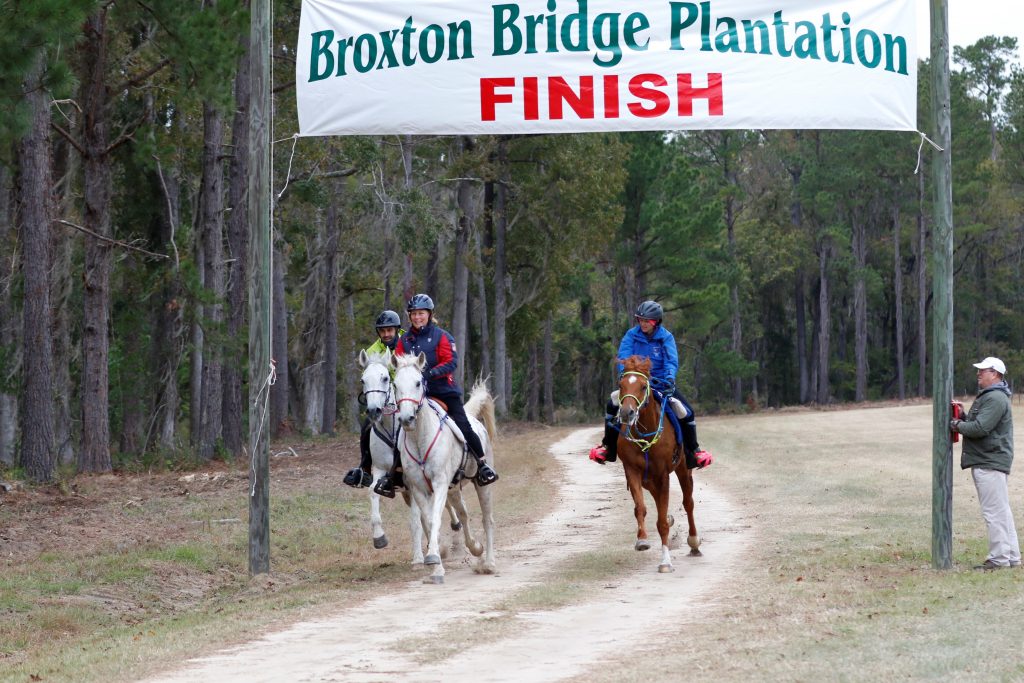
259	288
942	295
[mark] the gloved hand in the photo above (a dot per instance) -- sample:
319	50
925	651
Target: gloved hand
954	425
426	377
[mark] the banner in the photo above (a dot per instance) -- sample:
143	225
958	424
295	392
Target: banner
548	66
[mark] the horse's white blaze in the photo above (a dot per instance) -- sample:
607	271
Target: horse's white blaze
632	380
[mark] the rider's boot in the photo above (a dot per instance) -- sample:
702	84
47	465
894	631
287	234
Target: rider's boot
360	476
606	451
387	483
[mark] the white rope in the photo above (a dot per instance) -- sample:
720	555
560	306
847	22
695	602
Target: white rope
264	395
921	146
295	140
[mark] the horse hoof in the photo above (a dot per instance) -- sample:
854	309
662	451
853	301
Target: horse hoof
696	553
694	543
434	579
431	560
456	526
671	520
642	544
476	549
665	569
484	568
380	542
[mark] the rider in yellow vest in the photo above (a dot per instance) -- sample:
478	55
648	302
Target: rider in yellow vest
388	331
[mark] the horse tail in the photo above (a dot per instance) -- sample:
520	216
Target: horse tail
481	406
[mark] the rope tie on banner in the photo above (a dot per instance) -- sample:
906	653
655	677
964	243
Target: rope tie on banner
262	395
924	138
287	177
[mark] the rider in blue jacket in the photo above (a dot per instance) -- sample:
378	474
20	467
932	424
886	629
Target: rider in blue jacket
650	339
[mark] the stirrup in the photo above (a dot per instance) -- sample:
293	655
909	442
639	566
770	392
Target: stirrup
358	478
385	486
485	475
599	454
703	458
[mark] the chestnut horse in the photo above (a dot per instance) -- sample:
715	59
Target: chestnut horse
648	450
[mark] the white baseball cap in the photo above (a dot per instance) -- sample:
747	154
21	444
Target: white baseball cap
993	363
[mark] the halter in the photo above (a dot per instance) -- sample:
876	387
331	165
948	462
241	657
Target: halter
639	402
389	408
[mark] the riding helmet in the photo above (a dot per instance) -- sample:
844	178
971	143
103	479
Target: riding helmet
388	319
420	302
650	310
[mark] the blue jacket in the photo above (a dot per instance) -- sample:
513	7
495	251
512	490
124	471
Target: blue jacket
660	347
442	357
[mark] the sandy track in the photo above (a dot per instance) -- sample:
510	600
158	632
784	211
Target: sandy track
358	644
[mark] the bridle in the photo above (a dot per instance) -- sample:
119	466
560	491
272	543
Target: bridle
640	402
390	407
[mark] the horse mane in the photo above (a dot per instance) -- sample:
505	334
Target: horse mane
637	364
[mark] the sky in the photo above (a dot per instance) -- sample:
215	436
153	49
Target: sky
970	20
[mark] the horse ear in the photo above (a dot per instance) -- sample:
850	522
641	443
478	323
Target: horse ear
393	360
363	359
421	360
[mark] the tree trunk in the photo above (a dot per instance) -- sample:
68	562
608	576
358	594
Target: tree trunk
37	447
237	270
824	324
212	233
922	291
330	362
480	311
351	368
532	387
8	321
95	453
280	392
860	306
460	271
500	300
548	373
897	275
801	336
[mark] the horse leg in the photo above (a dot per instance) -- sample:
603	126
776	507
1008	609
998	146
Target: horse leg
380	539
415	527
457	508
686	484
633	482
436	509
486	564
661	496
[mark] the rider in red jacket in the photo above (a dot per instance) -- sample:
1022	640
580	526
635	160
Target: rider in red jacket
442	358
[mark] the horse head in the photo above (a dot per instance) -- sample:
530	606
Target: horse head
376	382
634	388
410	389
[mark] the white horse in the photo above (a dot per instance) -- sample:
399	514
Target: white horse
378	394
432	452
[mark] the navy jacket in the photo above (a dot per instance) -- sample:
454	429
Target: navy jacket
442	358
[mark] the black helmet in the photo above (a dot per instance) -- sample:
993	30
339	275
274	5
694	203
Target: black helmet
650	310
388	319
420	302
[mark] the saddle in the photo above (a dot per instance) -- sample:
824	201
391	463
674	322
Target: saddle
675	416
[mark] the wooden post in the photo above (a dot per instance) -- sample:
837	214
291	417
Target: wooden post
259	289
942	295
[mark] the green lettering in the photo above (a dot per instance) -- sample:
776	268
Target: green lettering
504	18
321	46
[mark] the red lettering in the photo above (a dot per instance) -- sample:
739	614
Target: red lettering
559	91
687	94
488	96
638	88
611	97
531	106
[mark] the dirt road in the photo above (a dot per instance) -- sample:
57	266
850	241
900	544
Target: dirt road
440	633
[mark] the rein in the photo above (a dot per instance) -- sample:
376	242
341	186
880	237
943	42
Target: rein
442	419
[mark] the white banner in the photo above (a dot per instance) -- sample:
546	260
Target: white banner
545	66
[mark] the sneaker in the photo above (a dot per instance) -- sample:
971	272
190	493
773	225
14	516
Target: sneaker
358	478
990	566
485	475
599	454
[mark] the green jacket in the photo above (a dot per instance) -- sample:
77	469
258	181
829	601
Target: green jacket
379	348
988	431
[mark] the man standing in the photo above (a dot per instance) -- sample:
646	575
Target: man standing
988	452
